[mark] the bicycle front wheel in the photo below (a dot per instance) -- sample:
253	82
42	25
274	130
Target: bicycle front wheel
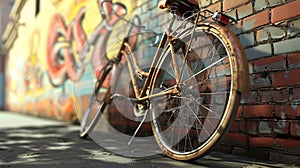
98	101
188	124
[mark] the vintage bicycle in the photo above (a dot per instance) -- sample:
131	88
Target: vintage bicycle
193	87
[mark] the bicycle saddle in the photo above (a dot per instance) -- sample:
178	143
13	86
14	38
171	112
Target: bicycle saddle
179	6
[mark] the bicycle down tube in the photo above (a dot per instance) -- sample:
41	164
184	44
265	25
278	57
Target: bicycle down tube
135	70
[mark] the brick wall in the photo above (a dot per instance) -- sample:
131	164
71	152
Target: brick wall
267	125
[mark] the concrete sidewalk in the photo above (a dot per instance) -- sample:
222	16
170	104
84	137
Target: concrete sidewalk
27	141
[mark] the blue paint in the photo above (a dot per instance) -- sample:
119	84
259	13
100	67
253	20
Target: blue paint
1	90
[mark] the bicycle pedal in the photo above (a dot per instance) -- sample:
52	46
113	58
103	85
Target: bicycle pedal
119	96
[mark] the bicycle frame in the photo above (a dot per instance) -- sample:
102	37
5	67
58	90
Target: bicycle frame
142	94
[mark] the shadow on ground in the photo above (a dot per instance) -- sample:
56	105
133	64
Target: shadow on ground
60	146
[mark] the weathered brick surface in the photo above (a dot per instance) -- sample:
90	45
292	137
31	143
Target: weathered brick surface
239	113
275	63
293	28
258	81
265	128
260	5
287	111
245	10
252	127
256	20
295	95
229	4
290	145
247	39
250	98
280	13
293	60
259	111
269	32
287	46
265	142
281	127
273	96
286	78
236	138
295	128
259	51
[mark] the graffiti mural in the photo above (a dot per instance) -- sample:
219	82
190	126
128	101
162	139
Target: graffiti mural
70	49
33	72
61	60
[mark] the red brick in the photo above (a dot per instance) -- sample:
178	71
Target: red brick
259	19
243	126
251	127
270	33
259	111
245	10
286	46
265	142
239	113
286	78
277	96
236	138
287	111
260	81
234	126
265	127
237	126
270	64
295	128
229	4
281	127
249	98
293	60
295	94
286	11
291	145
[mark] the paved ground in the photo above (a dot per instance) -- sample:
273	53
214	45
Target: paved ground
27	141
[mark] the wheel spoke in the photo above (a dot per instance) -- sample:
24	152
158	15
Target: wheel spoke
203	70
193	117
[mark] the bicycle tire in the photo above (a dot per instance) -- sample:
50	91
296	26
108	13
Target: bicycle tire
212	103
89	120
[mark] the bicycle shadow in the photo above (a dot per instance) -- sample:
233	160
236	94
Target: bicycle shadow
60	146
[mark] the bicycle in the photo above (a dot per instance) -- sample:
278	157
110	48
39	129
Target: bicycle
193	87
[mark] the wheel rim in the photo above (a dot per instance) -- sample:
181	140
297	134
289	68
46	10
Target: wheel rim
211	100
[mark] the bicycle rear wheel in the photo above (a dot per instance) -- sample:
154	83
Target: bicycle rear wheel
97	101
187	125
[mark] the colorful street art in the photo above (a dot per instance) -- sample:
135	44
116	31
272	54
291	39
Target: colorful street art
70	49
61	60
